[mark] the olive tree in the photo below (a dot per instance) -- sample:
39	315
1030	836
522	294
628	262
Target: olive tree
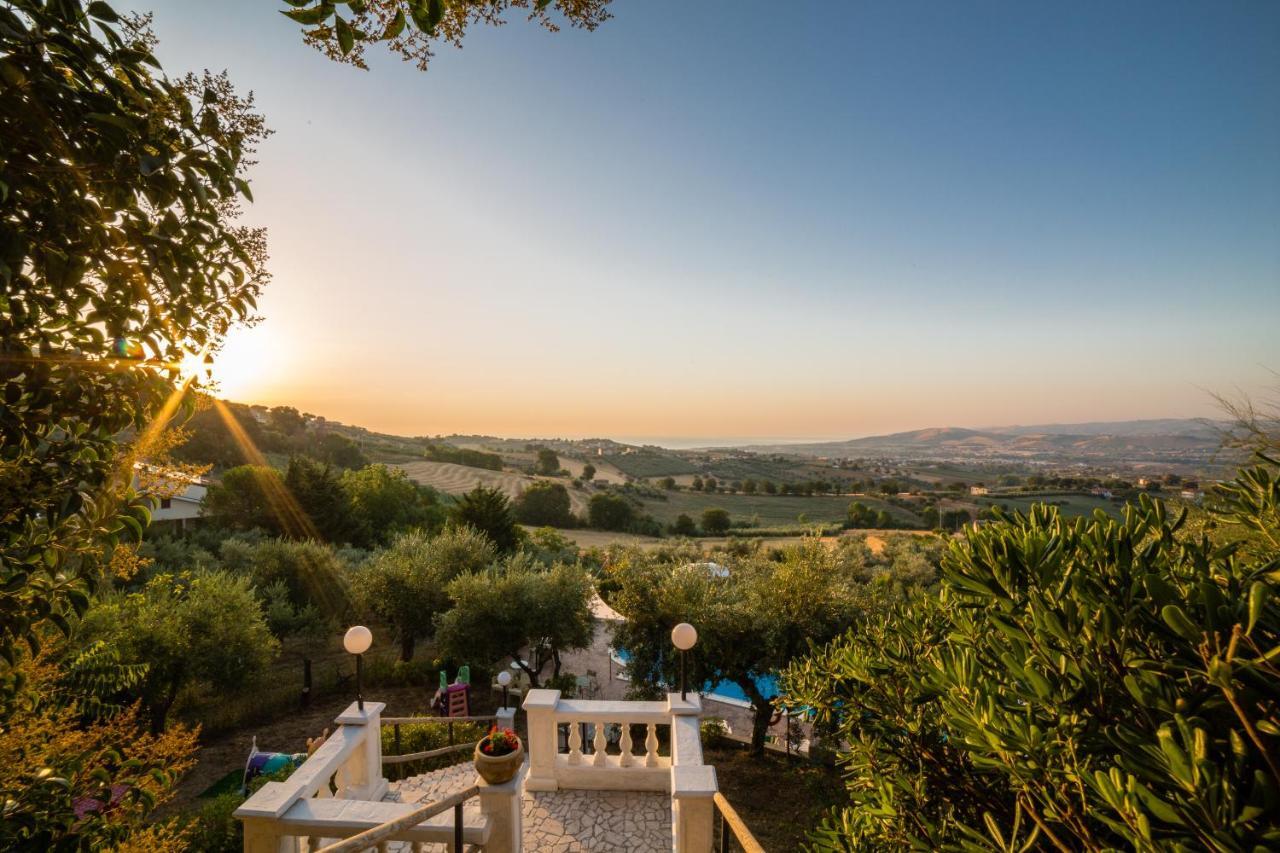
752	621
1074	684
518	606
407	582
206	627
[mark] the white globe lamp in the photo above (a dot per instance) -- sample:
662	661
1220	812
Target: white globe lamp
683	636
357	641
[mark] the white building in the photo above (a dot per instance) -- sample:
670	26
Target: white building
181	498
977	490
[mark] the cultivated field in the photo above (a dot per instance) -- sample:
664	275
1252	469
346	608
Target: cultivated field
458	479
769	511
602	539
1068	505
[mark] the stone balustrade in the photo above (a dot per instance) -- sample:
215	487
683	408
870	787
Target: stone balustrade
338	792
583	759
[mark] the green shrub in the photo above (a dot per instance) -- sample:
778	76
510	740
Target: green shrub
421	737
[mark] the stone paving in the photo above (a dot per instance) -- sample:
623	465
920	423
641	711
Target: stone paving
563	821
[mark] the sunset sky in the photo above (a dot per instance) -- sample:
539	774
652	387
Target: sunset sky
738	219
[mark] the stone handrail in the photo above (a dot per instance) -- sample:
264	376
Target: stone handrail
337	794
681	774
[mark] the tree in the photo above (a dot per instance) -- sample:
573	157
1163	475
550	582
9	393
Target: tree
715	521
412	28
67	744
503	611
684	526
860	515
610	512
588	472
544	505
120	262
311	573
336	449
210	440
709	484
383	501
405	583
286	420
548	463
770	488
320	506
668	483
752	621
748	487
1091	684
243	499
697	484
489	511
204	627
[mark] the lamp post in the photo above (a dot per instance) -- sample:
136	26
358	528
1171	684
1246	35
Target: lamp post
683	636
504	679
357	641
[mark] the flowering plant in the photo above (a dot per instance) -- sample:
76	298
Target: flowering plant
500	742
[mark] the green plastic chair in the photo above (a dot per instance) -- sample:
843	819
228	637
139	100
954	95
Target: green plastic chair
444	680
464	674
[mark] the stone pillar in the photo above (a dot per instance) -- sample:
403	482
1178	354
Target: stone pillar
262	835
363	771
506	718
501	805
540	709
692	808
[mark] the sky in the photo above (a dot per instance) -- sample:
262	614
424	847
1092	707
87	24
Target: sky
715	219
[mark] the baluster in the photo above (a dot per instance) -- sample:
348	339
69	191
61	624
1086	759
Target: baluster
575	743
651	746
600	745
624	760
313	843
419	847
382	847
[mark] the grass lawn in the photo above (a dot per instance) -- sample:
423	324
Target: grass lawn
772	511
779	799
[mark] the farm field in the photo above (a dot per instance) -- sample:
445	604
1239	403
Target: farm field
1070	505
455	479
770	510
603	539
604	471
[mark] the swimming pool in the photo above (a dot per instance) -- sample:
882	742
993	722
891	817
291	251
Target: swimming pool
723	691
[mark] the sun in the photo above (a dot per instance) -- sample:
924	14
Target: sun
246	364
195	366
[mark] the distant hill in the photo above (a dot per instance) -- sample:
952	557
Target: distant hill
1157	426
1134	441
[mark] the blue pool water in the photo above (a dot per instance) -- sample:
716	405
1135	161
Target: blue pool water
766	684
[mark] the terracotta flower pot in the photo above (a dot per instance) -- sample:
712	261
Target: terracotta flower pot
497	769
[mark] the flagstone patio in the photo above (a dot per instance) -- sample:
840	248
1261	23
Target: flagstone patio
561	821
